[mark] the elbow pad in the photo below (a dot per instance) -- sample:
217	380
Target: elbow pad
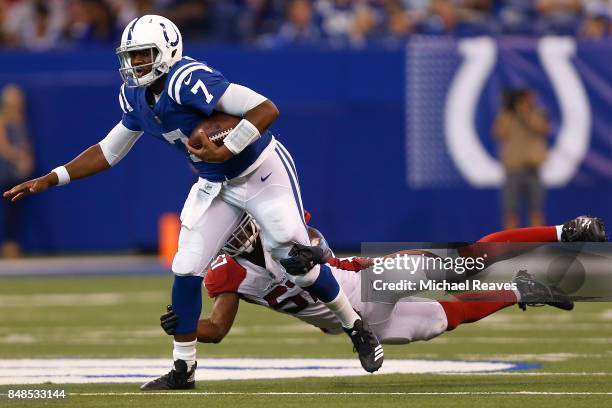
118	143
238	100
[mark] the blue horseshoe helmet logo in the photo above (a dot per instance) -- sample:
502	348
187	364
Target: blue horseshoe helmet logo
168	42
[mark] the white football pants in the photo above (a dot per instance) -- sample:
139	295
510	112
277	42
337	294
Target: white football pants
270	193
403	321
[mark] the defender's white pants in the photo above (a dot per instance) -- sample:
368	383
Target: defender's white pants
403	321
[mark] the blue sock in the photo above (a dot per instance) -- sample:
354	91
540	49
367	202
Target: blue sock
326	287
187	302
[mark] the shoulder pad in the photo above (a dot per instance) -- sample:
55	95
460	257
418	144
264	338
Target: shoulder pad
224	275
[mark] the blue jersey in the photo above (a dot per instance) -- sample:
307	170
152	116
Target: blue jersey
191	93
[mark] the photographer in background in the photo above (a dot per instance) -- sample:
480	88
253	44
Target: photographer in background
16	162
521	128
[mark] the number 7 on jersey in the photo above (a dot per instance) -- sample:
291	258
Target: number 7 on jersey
200	85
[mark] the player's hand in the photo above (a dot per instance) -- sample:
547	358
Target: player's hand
169	321
210	152
35	186
303	258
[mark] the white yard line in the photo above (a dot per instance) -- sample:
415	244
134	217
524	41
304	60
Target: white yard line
74	371
138	370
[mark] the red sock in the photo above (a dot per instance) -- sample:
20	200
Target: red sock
473	306
532	234
497	253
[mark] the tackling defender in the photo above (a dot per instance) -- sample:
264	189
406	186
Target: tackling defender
243	276
167	95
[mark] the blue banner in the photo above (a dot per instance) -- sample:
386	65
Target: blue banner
389	145
454	92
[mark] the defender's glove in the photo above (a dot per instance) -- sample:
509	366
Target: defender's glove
303	258
169	321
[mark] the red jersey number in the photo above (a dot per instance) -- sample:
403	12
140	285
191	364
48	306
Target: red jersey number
298	301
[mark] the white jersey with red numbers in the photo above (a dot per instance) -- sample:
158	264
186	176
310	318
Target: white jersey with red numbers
257	285
399	323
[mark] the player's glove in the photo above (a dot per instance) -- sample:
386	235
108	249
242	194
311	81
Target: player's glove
303	258
169	321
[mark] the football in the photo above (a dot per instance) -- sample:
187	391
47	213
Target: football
217	126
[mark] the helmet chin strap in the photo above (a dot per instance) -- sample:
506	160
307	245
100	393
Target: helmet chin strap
146	79
150	80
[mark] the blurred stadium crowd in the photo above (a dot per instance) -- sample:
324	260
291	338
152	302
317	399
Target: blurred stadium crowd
47	24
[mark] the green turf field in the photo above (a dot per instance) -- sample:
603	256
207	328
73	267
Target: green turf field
118	317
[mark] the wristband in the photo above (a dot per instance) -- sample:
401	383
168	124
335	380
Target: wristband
241	136
62	175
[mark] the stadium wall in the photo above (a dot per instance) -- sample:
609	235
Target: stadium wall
383	139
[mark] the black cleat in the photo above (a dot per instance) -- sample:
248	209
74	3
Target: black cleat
367	346
179	378
584	229
534	293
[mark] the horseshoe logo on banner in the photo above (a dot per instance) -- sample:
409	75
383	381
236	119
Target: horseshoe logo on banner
465	148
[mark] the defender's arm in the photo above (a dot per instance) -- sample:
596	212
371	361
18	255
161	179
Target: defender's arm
214	328
317	239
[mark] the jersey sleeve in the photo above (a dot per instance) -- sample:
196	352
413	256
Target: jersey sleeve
197	86
129	119
354	264
224	276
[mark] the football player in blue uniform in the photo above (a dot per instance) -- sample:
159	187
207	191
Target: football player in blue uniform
166	95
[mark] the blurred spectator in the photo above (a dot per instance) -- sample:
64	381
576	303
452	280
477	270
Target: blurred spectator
351	22
4	9
192	16
90	22
40	24
257	18
34	24
336	15
300	28
418	9
559	16
517	16
16	162
597	23
365	23
476	17
400	23
521	128
127	10
336	19
462	17
445	15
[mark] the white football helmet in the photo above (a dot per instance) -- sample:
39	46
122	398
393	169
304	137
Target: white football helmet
244	237
158	35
